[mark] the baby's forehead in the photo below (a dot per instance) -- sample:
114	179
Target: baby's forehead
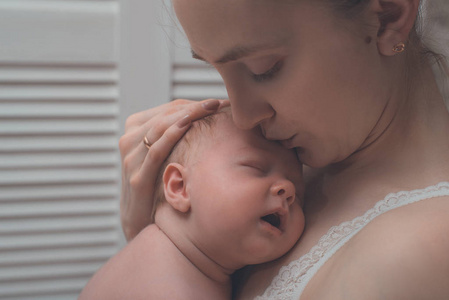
219	128
224	128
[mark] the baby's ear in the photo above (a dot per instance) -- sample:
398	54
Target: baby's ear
175	187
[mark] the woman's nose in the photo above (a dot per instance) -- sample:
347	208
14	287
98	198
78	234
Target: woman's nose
284	189
248	110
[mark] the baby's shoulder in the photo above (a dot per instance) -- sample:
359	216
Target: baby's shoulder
405	250
143	269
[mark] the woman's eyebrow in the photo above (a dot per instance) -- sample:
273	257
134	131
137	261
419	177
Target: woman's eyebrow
241	51
196	56
232	55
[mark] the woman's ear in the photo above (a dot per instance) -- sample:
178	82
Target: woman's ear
175	187
396	19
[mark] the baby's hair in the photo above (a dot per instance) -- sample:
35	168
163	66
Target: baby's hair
185	149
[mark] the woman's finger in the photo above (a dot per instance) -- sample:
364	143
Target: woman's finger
169	108
160	150
137	211
172	108
156	127
162	127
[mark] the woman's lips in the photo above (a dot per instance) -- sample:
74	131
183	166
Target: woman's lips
288	143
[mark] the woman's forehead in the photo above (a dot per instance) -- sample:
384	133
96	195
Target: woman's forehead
219	28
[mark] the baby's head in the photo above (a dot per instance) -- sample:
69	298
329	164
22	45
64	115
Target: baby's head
188	148
236	195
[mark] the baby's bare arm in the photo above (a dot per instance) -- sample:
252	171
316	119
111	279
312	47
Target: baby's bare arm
150	267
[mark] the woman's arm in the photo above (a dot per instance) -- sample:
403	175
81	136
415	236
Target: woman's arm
163	126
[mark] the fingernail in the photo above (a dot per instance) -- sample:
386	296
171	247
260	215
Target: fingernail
184	121
211	105
225	103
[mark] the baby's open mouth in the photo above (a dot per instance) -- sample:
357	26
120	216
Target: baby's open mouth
273	219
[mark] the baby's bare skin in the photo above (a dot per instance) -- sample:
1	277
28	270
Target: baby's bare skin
137	272
204	231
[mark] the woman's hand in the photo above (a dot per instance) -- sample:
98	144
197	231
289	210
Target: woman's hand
163	126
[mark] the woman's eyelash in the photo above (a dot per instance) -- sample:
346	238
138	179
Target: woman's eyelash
268	74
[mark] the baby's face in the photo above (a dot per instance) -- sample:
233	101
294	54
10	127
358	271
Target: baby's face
246	194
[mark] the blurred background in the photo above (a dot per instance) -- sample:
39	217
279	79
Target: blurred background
71	71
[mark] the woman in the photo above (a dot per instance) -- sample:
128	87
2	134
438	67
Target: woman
348	84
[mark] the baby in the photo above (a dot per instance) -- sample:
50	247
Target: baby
228	198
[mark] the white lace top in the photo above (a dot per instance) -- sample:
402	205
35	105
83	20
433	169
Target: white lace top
293	278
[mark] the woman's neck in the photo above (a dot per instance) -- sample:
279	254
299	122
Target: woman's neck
409	148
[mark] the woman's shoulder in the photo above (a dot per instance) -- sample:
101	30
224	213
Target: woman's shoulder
405	251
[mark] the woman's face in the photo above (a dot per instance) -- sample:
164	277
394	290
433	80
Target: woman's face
307	76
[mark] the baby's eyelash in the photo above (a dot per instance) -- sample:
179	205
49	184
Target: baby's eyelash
256	166
268	74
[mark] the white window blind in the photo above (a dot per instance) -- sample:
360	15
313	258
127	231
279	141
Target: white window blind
59	165
193	79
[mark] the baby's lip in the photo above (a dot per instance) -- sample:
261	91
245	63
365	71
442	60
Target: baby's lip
276	218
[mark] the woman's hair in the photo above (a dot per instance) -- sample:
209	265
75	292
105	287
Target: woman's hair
187	148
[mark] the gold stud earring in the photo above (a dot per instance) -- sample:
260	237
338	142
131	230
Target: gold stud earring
399	47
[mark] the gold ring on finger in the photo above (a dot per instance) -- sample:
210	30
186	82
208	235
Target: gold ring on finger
146	142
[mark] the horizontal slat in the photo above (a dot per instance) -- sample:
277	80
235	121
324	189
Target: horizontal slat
40	241
59	192
59	31
58	126
54	74
58	208
58	159
69	143
200	75
197	92
59	92
73	255
28	273
182	54
29	288
47	224
62	109
69	295
57	176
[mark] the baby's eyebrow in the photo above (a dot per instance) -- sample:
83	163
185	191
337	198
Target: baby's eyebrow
253	154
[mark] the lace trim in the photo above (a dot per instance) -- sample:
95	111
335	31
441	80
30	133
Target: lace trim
292	279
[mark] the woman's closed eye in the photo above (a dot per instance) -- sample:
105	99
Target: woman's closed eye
268	74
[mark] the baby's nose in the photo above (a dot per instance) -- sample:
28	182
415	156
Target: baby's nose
286	190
